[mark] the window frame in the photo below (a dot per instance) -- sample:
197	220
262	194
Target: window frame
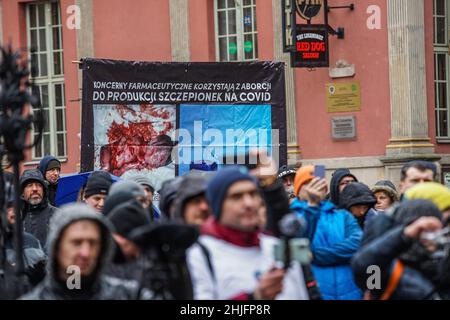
51	80
441	49
240	33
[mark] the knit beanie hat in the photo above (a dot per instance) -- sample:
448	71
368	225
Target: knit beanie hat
98	182
304	175
128	216
53	164
388	187
433	191
218	186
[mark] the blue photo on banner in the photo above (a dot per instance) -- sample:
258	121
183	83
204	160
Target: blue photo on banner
209	133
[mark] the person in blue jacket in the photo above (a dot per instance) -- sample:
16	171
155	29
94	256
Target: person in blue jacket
334	234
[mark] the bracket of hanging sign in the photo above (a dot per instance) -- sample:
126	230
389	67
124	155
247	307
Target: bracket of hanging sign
339	32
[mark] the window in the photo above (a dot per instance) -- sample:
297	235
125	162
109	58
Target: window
441	68
236	35
47	71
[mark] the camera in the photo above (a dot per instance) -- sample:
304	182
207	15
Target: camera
163	258
440	237
299	251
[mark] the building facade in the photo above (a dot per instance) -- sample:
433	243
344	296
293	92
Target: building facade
395	50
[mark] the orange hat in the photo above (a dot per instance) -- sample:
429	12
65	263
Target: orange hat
304	175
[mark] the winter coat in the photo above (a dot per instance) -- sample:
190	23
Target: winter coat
357	194
52	188
101	287
234	270
382	251
335	236
338	175
36	218
422	270
34	257
123	269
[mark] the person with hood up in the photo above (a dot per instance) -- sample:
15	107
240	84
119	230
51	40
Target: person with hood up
167	195
146	183
241	264
191	206
433	191
411	266
34	257
339	180
50	167
359	200
125	218
385	193
122	191
80	248
334	235
37	212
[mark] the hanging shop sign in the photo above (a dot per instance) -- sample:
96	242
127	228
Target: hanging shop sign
311	46
308	9
308	43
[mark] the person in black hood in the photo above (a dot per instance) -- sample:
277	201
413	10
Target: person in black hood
339	180
149	190
123	191
50	167
80	248
33	254
421	265
126	217
359	200
191	206
37	212
167	195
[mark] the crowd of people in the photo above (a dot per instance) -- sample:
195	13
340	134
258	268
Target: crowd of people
216	234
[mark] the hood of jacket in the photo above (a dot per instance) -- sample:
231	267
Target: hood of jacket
61	220
336	178
120	192
34	175
167	195
190	187
356	193
44	163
